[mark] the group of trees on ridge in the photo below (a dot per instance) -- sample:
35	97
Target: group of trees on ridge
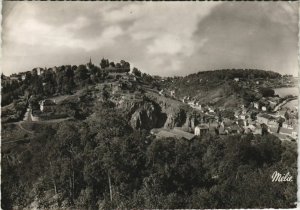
68	77
64	79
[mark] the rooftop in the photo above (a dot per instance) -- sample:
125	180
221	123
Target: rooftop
175	133
266	116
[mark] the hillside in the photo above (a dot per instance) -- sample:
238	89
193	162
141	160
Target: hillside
94	144
225	87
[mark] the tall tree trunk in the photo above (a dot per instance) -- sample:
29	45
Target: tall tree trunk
70	180
110	187
70	187
73	187
53	179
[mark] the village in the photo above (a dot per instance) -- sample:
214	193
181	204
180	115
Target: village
267	115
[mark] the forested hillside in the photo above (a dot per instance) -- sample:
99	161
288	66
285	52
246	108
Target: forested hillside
227	87
106	157
103	163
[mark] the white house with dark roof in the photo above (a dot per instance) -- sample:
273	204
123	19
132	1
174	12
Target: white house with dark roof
201	129
47	105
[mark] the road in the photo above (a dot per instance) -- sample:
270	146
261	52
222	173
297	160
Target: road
284	102
24	129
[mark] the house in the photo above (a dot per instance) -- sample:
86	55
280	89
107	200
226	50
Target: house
236	79
47	105
23	77
183	134
237	113
242	122
267	119
251	127
14	78
244	111
201	129
161	92
211	110
243	116
198	106
165	134
273	129
172	93
286	125
191	103
289	131
261	129
256	105
132	77
264	108
117	75
175	133
258	130
39	71
234	129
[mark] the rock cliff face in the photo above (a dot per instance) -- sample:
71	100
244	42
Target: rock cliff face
176	118
190	122
181	118
148	116
151	113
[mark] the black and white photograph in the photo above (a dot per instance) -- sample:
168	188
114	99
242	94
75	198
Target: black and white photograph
149	105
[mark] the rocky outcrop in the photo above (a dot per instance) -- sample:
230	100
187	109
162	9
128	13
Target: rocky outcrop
181	118
147	116
190	122
176	118
150	113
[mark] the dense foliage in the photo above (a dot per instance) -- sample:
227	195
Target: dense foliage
59	80
102	163
239	73
98	161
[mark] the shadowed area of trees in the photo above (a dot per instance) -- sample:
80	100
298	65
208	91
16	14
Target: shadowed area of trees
101	163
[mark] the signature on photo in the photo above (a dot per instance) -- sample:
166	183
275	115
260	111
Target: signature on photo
278	177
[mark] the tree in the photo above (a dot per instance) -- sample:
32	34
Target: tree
112	64
267	92
104	63
125	65
136	72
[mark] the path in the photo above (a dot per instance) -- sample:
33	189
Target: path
13	141
284	102
24	129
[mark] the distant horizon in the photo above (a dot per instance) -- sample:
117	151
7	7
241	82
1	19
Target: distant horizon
131	67
189	37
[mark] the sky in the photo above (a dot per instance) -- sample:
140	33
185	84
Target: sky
159	38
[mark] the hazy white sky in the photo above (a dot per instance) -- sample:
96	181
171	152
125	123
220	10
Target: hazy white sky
164	38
